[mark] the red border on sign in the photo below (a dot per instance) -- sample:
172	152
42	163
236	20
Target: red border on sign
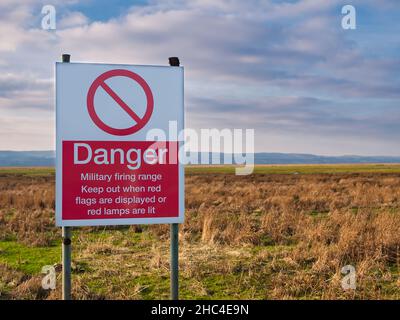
100	82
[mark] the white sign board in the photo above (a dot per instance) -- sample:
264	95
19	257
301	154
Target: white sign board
108	170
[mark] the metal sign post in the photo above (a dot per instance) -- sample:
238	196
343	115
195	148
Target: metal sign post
66	243
66	263
174	277
174	261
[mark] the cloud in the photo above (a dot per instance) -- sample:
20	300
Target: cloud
73	19
283	67
13	84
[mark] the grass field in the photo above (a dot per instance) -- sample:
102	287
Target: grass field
260	169
282	233
302	169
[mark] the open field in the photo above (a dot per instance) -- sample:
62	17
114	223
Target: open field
282	233
260	169
302	168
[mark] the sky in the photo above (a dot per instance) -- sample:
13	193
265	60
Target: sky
286	69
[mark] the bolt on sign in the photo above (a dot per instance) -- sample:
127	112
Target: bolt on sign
108	170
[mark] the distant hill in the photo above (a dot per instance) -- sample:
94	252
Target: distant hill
27	158
297	158
47	158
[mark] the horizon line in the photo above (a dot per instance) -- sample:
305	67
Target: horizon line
257	152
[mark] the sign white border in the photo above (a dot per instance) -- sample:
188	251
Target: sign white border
114	221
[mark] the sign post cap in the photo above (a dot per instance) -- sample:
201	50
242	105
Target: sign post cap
174	61
66	57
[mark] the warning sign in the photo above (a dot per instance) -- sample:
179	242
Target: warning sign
108	171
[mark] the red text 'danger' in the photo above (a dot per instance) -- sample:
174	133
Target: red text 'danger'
132	157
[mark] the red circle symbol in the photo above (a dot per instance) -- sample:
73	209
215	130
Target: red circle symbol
140	121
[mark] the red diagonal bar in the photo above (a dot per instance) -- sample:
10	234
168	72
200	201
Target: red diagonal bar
122	104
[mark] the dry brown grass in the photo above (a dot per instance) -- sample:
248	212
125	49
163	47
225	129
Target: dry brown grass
293	233
27	208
